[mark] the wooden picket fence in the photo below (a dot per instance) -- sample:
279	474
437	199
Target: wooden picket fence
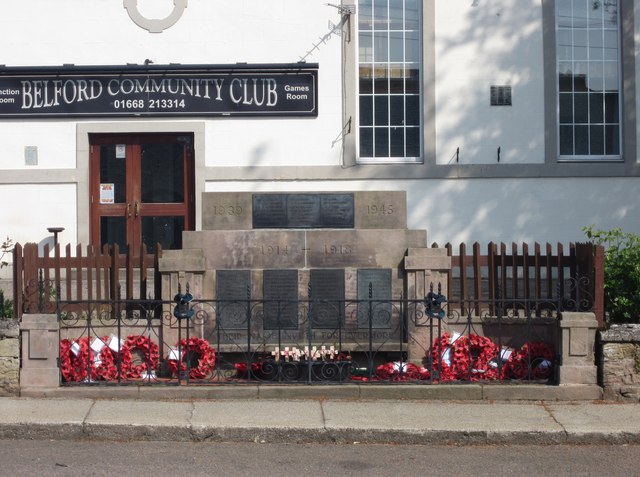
88	274
511	275
517	274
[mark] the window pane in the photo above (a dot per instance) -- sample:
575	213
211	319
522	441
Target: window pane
596	108
566	108
581	108
397	142
113	230
413	111
380	14
396	15
581	140
381	110
612	140
365	15
381	142
566	140
412	82
412	16
366	110
380	46
596	140
113	171
412	47
396	46
413	142
611	108
397	110
162	173
366	142
366	48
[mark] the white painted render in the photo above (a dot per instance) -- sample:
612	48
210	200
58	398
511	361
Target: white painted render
497	42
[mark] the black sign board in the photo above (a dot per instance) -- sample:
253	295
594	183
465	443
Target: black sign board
232	289
156	90
331	211
374	295
326	288
280	299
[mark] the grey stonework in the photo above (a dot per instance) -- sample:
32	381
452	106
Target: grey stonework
9	357
620	362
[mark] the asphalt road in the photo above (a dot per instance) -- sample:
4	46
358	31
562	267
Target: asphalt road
156	459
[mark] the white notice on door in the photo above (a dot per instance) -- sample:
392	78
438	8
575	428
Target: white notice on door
121	151
107	193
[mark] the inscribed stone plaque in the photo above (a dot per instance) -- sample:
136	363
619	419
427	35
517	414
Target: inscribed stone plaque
280	290
231	293
269	210
326	288
374	295
337	210
303	211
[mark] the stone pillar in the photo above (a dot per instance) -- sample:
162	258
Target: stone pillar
181	267
423	267
577	348
40	350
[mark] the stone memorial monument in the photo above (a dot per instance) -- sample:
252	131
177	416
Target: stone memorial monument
331	269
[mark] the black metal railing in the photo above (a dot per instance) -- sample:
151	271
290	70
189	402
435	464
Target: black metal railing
251	341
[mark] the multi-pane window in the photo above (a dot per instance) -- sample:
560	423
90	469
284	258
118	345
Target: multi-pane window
588	78
389	62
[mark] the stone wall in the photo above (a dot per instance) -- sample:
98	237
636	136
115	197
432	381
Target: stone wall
620	362
9	357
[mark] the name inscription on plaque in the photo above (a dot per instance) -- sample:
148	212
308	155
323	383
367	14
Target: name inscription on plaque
280	289
300	211
374	295
231	290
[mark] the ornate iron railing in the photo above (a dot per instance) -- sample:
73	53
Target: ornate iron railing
249	341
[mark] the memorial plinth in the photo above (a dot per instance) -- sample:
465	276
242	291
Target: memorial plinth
329	267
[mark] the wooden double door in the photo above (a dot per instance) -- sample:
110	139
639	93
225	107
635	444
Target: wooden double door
142	189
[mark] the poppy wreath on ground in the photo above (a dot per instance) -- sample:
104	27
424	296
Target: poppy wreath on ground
400	371
449	358
150	355
533	361
482	351
196	349
467	358
106	362
241	370
74	366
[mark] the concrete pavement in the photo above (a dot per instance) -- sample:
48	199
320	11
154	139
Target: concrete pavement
313	419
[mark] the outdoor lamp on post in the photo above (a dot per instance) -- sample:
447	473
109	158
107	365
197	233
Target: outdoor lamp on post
55	231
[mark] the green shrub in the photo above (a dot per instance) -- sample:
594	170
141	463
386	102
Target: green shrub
621	272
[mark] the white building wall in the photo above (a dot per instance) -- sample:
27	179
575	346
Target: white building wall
495	42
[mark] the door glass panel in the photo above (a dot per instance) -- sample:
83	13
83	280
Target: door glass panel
165	230
113	171
162	173
113	230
